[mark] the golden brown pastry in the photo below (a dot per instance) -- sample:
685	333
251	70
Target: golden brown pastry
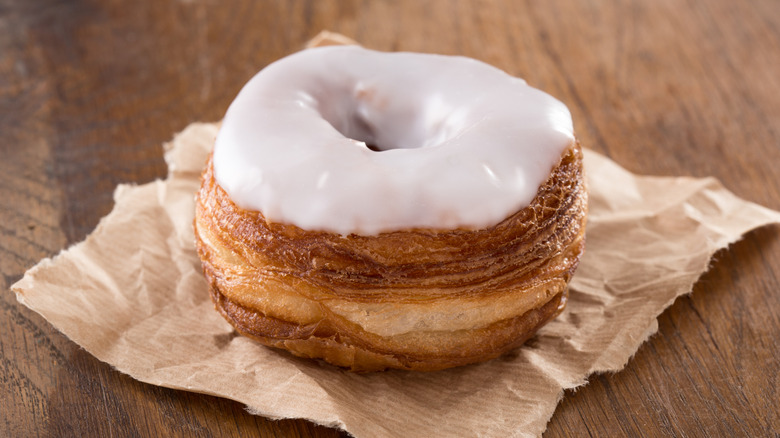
415	297
484	292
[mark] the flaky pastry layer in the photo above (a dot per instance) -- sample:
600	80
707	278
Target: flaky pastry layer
417	299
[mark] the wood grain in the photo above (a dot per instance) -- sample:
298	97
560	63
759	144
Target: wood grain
90	89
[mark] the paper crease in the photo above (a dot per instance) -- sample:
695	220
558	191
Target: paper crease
132	295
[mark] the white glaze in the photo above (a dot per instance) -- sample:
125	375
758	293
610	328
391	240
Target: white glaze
467	145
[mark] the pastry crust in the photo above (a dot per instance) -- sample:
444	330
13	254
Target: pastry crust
419	299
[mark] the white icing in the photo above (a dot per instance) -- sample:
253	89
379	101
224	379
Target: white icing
464	144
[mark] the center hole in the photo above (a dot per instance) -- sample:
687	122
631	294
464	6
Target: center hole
356	127
383	122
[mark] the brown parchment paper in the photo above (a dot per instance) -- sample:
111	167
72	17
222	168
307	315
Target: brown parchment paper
133	295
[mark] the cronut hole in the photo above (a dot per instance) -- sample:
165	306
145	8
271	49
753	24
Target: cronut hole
358	128
384	124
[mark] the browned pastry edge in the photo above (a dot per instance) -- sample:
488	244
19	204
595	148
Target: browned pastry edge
246	257
324	341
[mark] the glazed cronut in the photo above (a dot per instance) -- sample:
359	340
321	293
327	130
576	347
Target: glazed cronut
422	299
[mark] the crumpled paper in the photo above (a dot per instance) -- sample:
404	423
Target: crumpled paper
133	295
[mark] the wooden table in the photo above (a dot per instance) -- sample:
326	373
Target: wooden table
89	89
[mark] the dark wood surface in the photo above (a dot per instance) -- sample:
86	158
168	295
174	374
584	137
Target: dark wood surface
89	89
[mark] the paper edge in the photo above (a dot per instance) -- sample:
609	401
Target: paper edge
770	217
